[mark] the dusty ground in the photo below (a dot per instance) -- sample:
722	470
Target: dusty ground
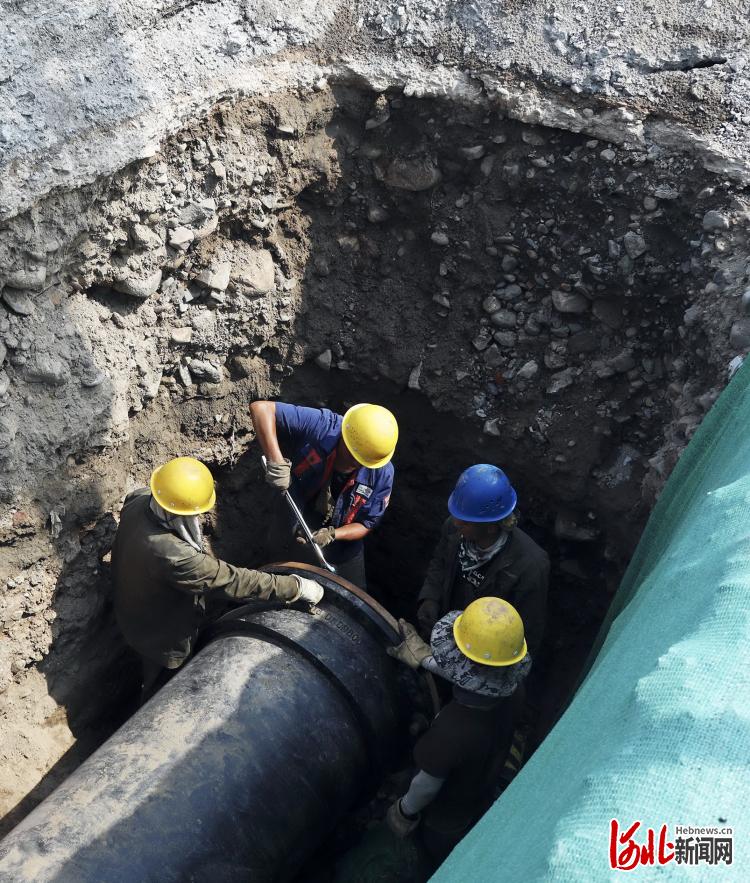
562	305
89	87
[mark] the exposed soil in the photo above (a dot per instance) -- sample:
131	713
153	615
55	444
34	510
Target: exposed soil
519	295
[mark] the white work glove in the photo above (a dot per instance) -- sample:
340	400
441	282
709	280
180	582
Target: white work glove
279	475
399	823
309	591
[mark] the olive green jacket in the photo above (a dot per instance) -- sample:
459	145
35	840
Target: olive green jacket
159	581
519	574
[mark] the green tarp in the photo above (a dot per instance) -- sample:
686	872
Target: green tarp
659	732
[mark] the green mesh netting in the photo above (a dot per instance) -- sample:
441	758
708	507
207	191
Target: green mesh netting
659	731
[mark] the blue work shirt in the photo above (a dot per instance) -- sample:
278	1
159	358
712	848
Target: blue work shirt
312	435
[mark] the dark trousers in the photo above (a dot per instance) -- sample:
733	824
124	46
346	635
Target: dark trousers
283	546
155	674
437	845
353	569
153	677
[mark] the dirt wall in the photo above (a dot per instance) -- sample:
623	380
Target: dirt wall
561	305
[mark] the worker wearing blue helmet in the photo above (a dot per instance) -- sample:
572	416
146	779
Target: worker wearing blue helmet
482	552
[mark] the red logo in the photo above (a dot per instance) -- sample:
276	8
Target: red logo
625	854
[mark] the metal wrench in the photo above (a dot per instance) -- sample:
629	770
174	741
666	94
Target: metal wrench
303	524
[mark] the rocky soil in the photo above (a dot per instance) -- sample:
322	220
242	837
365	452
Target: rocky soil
531	242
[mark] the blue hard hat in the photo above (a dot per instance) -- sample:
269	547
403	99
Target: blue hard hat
482	493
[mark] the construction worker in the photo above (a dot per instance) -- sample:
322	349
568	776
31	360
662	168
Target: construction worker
338	471
161	572
482	552
483	653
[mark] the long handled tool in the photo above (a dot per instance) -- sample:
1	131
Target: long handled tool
303	524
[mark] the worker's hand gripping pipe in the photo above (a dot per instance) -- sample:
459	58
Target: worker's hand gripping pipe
303	524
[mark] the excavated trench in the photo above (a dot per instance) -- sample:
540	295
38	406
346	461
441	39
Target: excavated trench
518	295
434	449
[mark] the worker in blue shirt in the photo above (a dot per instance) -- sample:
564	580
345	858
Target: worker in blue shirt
338	470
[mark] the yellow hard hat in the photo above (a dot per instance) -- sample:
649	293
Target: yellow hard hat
370	433
490	631
183	486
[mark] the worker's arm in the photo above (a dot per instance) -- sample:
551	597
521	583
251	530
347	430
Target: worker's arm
326	535
531	603
263	415
199	574
415	652
368	516
430	598
373	510
353	531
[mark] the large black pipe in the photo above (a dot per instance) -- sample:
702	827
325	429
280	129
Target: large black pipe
241	764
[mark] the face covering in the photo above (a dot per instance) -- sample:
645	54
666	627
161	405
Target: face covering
186	527
471	556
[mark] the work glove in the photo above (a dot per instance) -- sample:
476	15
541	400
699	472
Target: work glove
322	537
279	475
399	823
428	614
309	591
412	650
286	588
